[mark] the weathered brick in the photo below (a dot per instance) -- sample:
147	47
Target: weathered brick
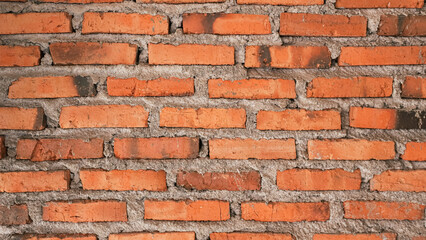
226	23
250	236
78	53
350	149
414	87
415	151
160	87
180	1
400	25
85	211
128	23
19	56
356	87
23	23
299	120
190	54
318	180
81	1
230	181
382	55
285	212
153	236
379	4
201	210
383	210
39	181
282	2
123	180
365	236
14	215
361	117
156	148
103	116
3	152
399	180
305	24
55	149
56	237
252	88
419	238
252	149
203	118
287	57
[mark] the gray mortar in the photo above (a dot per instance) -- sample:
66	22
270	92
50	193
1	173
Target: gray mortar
269	191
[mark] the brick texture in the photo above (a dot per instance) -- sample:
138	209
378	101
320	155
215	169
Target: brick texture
383	210
19	56
35	23
39	181
14	215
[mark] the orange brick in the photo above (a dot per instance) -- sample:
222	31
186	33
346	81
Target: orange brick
383	210
153	236
411	25
203	118
282	2
160	87
103	116
372	118
350	149
156	148
3	152
226	23
58	237
128	23
123	180
415	151
414	87
299	119
419	238
22	118
55	149
180	1
201	210
252	149
190	54
252	88
19	56
23	23
85	211
318	180
369	236
230	181
285	212
77	53
81	1
41	181
399	180
250	236
388	55
52	87
356	87
287	57
379	4
14	215
305	24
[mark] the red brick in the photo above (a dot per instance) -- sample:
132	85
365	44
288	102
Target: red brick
361	117
226	23
77	53
415	151
287	57
399	180
55	149
156	148
180	1
299	120
365	236
153	236
19	56
414	87
350	149
203	118
357	87
252	88
40	181
190	54
305	24
22	23
123	180
419	238
282	2
411	25
128	23
318	180
58	237
22	118
379	4
383	210
285	212
3	152
160	87
201	210
384	55
238	148
250	236
103	116
14	215
81	1
230	181
85	211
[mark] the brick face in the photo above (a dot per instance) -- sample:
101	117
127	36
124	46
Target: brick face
35	23
38	181
19	56
14	215
383	210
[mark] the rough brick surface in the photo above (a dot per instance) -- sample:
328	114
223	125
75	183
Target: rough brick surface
39	181
14	215
59	22
399	180
282	2
383	210
154	236
400	25
19	56
386	118
56	237
22	118
379	4
414	87
251	236
415	151
3	151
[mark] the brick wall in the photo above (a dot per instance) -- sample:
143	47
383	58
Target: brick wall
212	119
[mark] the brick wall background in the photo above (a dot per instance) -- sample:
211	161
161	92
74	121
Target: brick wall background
212	119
